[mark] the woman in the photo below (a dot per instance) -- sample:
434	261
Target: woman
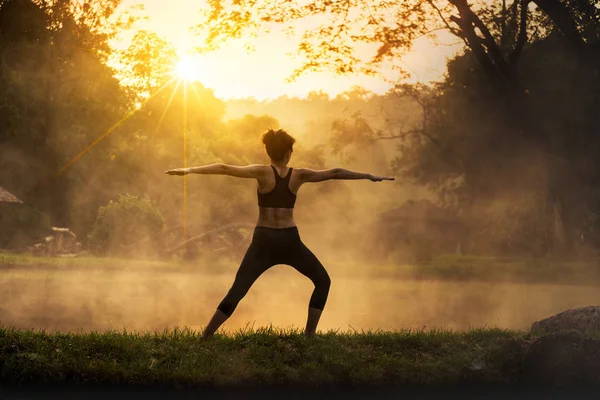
276	239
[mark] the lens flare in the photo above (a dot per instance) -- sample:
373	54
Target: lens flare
187	69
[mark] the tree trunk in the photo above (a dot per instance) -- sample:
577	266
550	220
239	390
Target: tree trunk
564	20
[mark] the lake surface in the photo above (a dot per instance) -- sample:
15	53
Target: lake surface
82	301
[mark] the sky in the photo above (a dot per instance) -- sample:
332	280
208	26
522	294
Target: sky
232	72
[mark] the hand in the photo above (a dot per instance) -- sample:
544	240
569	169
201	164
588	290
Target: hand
177	171
376	178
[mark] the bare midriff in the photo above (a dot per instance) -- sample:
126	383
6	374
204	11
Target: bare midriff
278	218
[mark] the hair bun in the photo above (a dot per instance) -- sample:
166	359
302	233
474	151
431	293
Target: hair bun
269	136
277	143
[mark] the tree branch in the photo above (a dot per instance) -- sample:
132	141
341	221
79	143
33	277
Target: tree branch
205	234
562	17
401	135
522	39
565	21
503	26
448	26
470	17
474	43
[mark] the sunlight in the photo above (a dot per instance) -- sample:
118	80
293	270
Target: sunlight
188	69
167	106
135	108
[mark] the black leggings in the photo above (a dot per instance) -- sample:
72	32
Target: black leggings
270	247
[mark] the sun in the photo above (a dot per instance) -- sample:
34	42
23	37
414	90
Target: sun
188	69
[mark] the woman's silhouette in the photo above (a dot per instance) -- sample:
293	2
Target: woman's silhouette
276	239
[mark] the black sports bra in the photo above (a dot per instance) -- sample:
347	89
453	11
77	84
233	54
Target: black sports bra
281	196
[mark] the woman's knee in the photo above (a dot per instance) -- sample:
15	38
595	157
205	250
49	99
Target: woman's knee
232	298
322	281
321	292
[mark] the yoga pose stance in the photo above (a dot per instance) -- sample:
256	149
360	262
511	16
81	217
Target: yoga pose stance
276	239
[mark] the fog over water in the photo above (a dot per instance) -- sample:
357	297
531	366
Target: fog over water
82	301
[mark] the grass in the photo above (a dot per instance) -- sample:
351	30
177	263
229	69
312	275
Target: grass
266	357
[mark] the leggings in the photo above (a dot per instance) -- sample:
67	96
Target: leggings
270	247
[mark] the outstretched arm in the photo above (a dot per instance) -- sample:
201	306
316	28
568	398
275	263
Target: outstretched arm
309	175
248	171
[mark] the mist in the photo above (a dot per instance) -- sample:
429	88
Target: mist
146	300
85	145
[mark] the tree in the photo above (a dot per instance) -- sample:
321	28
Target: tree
57	93
495	35
470	160
147	64
495	31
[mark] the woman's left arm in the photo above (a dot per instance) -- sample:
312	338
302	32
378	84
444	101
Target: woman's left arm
249	171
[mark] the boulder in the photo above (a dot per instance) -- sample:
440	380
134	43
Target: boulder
585	320
562	359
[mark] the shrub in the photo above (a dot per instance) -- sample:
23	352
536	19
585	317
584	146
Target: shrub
22	225
521	226
130	226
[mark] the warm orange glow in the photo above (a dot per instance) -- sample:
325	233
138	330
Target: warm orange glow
188	69
232	72
136	108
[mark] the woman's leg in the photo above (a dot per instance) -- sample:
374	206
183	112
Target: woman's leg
215	322
255	262
305	262
314	314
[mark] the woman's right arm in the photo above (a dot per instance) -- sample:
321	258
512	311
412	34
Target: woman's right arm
310	175
255	171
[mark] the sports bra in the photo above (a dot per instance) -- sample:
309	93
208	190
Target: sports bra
281	196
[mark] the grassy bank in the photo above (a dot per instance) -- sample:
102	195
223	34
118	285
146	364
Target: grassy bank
497	269
269	357
10	260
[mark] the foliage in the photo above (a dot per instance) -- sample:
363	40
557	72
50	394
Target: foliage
122	224
502	104
505	126
519	193
147	64
517	226
341	31
21	226
52	113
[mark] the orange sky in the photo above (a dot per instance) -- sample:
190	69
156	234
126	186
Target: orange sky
231	72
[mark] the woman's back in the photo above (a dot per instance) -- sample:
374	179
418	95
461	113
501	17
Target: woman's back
276	195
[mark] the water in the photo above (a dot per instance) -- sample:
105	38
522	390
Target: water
83	300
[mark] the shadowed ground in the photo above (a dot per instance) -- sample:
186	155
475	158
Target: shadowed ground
298	394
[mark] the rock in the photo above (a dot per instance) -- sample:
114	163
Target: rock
561	359
585	320
477	365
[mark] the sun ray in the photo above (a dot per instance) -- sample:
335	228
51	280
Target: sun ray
195	91
184	164
135	109
168	105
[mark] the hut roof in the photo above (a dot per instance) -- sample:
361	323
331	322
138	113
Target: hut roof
7	197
